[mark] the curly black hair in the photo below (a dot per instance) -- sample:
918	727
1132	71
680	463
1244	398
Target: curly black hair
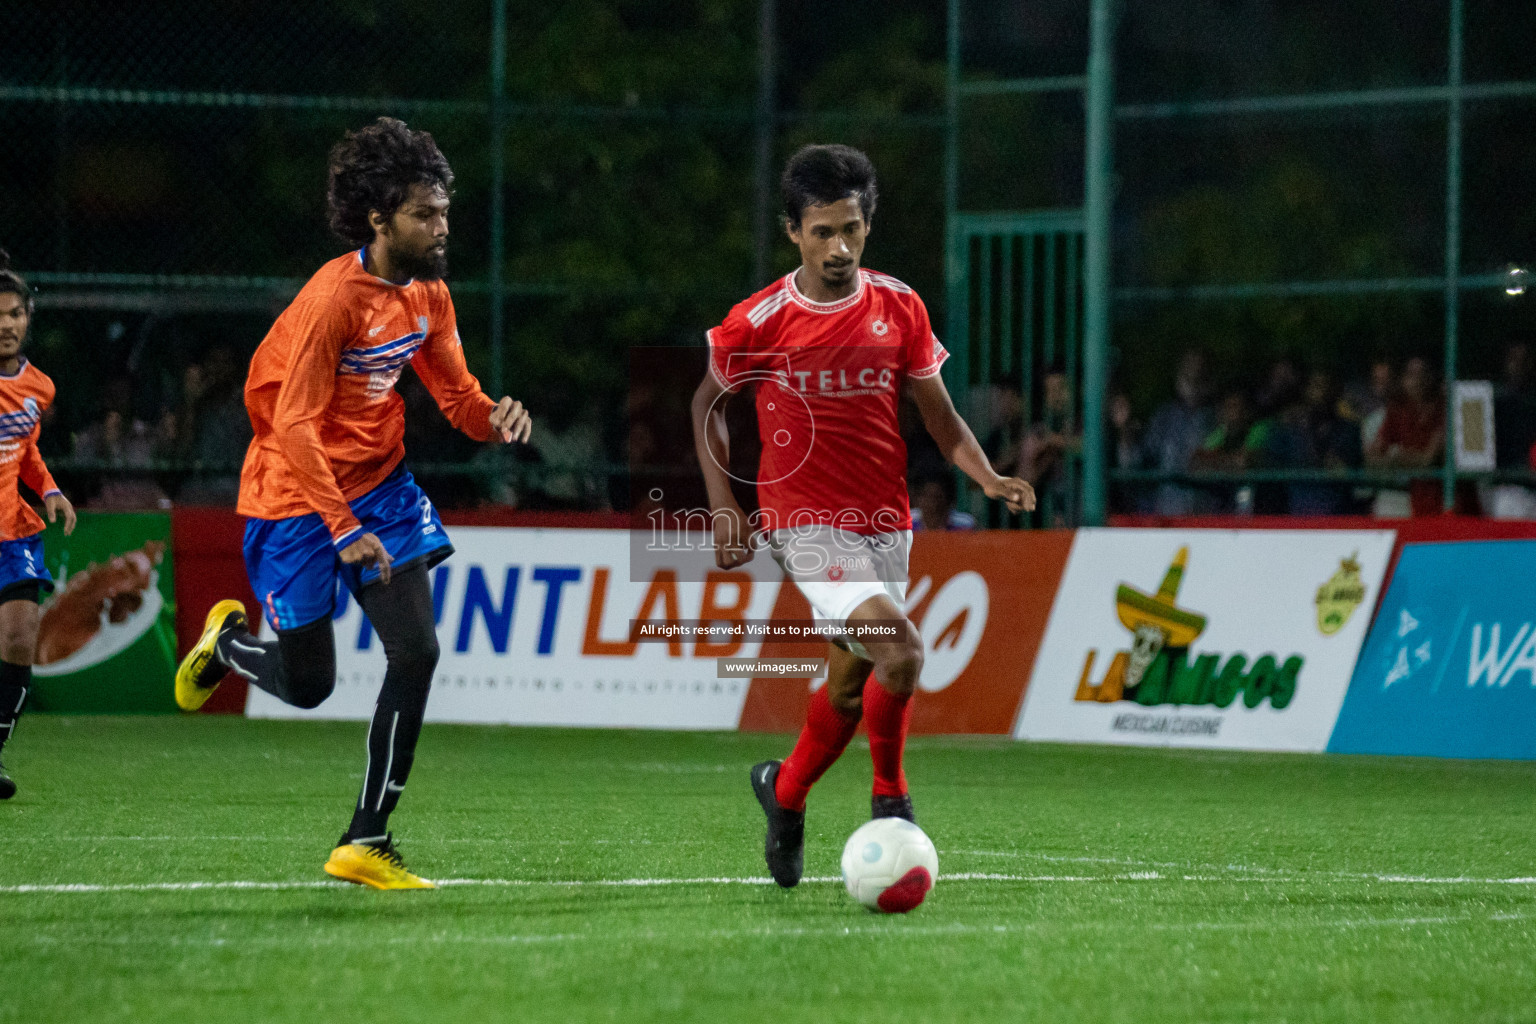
819	175
12	283
374	168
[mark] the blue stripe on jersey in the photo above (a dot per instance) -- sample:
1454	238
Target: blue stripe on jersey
403	339
17	424
384	359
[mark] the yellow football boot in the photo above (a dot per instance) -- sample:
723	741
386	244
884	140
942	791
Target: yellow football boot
377	866
201	672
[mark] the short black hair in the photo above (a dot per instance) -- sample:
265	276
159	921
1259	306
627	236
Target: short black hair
12	283
819	175
374	168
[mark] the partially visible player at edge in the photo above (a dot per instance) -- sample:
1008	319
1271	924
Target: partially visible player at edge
25	394
324	488
849	339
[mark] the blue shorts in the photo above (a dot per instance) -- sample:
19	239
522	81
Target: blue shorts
294	566
22	572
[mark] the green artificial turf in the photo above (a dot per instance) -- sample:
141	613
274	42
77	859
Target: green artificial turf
1143	885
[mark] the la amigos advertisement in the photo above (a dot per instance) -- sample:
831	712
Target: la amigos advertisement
534	628
1205	638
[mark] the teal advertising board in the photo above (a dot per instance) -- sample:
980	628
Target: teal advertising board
1449	667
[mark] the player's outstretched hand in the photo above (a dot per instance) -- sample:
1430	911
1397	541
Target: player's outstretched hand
730	526
1015	493
56	503
368	550
511	421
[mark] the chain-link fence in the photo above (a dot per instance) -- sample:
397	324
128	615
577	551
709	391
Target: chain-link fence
164	177
1279	192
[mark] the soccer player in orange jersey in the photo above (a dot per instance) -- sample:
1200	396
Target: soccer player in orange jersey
827	350
25	394
324	488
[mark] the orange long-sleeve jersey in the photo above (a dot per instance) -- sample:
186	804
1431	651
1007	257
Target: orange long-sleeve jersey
329	426
24	397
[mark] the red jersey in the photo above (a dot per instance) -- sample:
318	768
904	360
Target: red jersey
828	380
24	397
329	426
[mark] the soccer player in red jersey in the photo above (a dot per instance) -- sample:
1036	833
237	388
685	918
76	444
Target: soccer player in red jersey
324	489
827	350
25	394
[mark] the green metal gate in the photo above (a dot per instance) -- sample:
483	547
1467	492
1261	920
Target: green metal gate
1015	307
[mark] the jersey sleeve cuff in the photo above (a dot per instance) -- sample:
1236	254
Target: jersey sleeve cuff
932	369
348	538
714	370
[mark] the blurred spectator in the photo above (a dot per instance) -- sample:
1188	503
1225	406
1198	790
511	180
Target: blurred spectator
123	442
933	502
1365	400
1228	449
1047	448
1123	445
569	441
213	428
1177	430
1412	436
1315	434
1514	434
1001	408
1279	396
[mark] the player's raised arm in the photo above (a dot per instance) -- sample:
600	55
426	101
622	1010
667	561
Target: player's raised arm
960	447
712	445
440	365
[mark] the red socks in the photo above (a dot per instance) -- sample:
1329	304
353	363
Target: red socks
821	742
826	735
886	716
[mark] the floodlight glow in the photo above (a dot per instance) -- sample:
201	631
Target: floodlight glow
1515	280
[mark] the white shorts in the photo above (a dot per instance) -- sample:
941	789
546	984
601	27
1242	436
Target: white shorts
838	570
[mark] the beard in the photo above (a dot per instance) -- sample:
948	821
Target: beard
430	265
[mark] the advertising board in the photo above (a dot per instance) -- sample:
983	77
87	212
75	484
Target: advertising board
1449	668
534	630
1205	638
106	640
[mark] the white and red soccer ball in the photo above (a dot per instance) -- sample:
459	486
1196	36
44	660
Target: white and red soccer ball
889	865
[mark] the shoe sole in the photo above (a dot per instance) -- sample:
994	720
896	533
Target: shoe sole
7	788
357	878
190	696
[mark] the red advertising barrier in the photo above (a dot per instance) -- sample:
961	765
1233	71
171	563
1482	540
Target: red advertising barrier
209	568
988	594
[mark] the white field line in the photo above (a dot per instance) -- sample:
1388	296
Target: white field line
952	877
1189	871
1249	872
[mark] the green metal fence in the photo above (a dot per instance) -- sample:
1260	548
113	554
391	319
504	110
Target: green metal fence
1101	299
166	163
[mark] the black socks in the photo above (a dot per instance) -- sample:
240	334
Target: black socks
403	617
297	668
15	680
